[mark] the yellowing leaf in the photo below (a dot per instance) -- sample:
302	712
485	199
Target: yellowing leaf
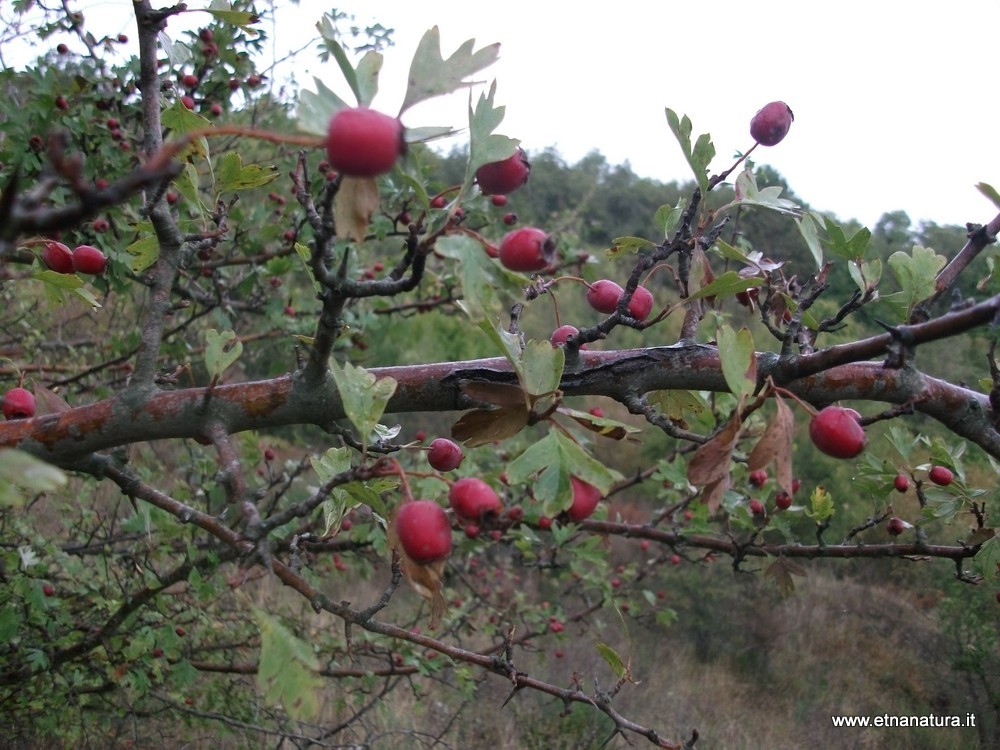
739	362
356	201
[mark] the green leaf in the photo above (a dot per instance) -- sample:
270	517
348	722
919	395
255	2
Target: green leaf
20	471
988	559
144	252
821	505
990	192
431	75
548	465
233	176
622	245
287	672
849	249
487	287
666	217
916	274
221	351
725	285
364	397
698	157
748	194
866	273
240	18
317	108
808	226
613	659
739	365
485	146
542	367
181	120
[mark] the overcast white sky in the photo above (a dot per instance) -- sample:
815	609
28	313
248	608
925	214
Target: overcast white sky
894	101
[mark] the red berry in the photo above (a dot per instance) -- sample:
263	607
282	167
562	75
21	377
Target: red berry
62	103
268	454
796	484
187	101
641	303
562	333
206	35
112	123
215	109
771	123
585	499
89	260
782	501
122	39
644	545
101	224
48	589
364	143
498	200
836	432
424	531
190	80
675	559
157	652
471	531
180	631
941	475
444	455
756	507
545	522
596	411
62	49
438	201
527	249
757	478
895	526
901	483
504	176
472	498
515	514
603	296
172	198
57	257
18	403
510	219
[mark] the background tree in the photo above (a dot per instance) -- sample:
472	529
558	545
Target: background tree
202	406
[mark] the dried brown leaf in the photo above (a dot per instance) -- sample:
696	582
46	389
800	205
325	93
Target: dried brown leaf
483	426
710	462
357	200
776	445
501	394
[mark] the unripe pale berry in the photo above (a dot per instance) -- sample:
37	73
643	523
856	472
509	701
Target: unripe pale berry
771	123
361	142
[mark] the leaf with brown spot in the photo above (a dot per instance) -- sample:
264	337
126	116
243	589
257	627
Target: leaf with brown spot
357	200
776	445
483	426
710	462
609	428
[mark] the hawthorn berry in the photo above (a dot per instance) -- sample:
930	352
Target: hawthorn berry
756	507
901	483
603	296
502	177
89	260
444	455
562	333
895	526
641	303
18	403
439	201
57	257
498	200
941	475
423	530
361	142
527	249
782	501
757	478
48	589
471	498
771	123
585	499
836	432
509	219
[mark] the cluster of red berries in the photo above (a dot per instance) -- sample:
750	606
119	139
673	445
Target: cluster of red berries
83	259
